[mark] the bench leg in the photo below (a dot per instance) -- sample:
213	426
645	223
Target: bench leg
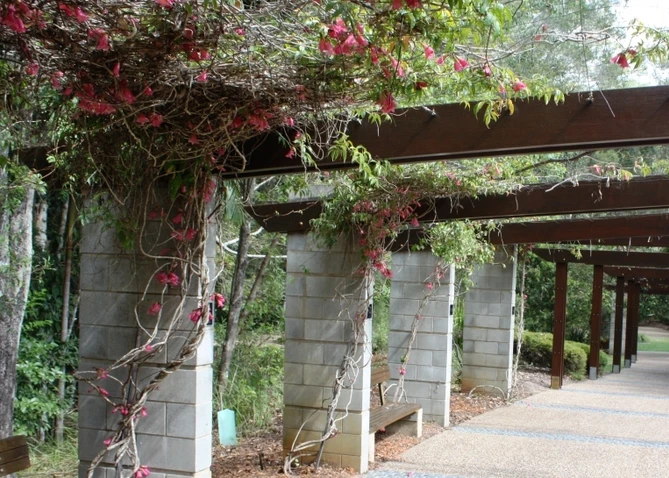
372	440
412	426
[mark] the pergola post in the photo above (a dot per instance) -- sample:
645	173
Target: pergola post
618	323
174	440
635	329
427	371
595	321
559	325
323	298
632	316
487	347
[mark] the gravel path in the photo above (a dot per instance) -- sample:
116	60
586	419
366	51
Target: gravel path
616	426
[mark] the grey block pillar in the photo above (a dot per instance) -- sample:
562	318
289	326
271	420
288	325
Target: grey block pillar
427	378
488	326
322	296
174	439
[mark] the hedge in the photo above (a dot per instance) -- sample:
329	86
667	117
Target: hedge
538	350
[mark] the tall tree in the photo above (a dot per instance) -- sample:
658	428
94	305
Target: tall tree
16	247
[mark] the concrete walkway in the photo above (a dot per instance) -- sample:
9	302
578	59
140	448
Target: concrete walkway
616	426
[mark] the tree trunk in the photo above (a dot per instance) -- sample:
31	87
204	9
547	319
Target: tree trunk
237	291
236	303
40	240
65	312
16	221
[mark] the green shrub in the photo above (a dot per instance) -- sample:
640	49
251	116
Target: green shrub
538	350
255	385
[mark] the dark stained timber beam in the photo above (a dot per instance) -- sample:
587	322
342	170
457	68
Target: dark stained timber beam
650	241
606	258
637	272
613	119
618	324
537	200
559	325
595	322
645	226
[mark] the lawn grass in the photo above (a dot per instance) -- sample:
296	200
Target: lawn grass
654	345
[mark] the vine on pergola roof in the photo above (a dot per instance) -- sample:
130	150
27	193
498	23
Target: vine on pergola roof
171	80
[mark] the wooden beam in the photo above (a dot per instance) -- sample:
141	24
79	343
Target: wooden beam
568	230
606	258
651	241
637	272
618	324
612	119
632	312
536	200
595	322
559	325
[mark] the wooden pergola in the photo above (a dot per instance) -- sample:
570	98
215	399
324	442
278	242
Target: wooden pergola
585	121
646	266
614	119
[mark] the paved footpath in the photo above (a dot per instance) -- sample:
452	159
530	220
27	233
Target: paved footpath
616	426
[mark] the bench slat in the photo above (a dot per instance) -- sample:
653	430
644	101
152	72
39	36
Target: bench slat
380	375
14	466
12	442
15	454
383	416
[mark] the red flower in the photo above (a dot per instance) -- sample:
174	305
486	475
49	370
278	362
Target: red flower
195	315
387	102
218	299
519	86
325	46
155	308
124	94
101	37
193	139
240	31
32	69
165	3
173	279
144	471
460	64
142	120
429	52
621	59
116	71
156	119
147	91
413	3
487	71
421	85
104	392
12	21
397	4
338	29
202	77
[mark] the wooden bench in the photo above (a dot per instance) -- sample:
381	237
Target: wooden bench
389	413
14	455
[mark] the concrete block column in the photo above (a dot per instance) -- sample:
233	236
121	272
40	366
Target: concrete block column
488	325
427	378
323	296
174	439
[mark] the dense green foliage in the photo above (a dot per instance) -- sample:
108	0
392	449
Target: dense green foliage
537	350
255	387
43	358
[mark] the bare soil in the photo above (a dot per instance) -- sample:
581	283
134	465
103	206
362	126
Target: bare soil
262	455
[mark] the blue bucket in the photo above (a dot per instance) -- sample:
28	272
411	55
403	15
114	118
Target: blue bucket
227	430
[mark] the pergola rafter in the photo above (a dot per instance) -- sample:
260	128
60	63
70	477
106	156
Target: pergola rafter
608	119
531	201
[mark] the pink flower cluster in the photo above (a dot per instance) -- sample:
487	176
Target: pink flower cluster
168	278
